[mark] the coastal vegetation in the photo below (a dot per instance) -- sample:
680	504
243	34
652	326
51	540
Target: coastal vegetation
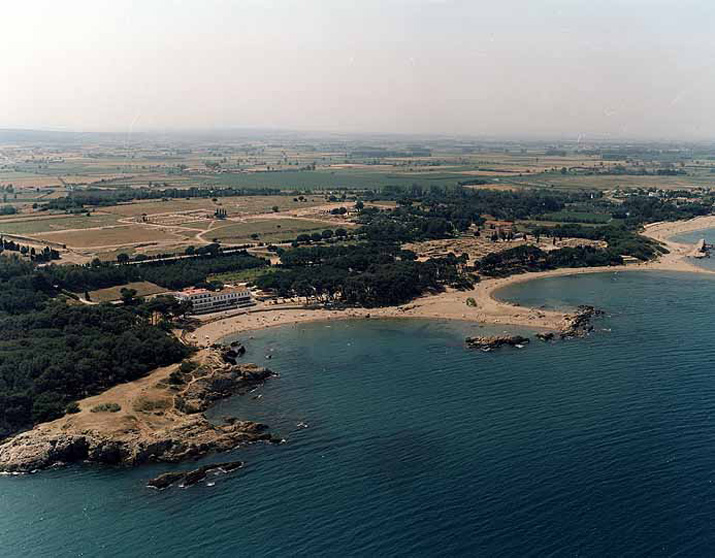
54	351
57	347
374	271
527	258
368	274
171	274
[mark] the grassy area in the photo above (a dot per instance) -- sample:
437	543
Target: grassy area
143	288
35	225
203	225
243	276
268	230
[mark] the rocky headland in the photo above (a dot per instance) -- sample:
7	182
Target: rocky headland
158	418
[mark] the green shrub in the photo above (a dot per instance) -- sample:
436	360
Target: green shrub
106	408
175	378
72	408
187	367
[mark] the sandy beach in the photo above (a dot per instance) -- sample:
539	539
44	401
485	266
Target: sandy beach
453	304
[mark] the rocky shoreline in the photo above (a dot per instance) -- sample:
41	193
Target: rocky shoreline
578	324
164	422
161	417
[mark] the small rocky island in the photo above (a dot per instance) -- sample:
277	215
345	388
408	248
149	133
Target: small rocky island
158	418
495	341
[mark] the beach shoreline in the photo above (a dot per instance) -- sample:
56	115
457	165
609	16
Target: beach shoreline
452	305
136	434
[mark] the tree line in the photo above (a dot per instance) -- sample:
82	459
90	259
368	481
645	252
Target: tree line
172	274
367	274
527	258
44	255
100	197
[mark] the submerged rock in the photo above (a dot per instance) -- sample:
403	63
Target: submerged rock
495	341
189	478
546	336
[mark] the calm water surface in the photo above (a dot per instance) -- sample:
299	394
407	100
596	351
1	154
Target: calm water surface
418	447
692	237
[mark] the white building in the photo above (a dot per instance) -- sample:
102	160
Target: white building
204	301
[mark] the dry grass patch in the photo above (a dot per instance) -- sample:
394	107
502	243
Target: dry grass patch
268	230
143	288
146	405
237	205
113	236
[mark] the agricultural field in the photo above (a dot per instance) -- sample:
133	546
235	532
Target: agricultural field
55	224
268	230
111	236
204	225
558	181
316	175
330	164
238	205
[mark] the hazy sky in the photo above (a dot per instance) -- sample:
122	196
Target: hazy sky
628	68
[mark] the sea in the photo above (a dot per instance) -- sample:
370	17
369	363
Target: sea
400	441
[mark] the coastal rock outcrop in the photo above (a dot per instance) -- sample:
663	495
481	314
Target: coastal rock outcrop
158	422
231	353
580	324
495	341
36	450
204	386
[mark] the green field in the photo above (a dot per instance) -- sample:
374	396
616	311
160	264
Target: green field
243	276
268	230
324	179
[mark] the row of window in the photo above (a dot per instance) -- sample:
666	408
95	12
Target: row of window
222	297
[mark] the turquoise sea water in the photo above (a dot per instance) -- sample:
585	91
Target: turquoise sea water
416	446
